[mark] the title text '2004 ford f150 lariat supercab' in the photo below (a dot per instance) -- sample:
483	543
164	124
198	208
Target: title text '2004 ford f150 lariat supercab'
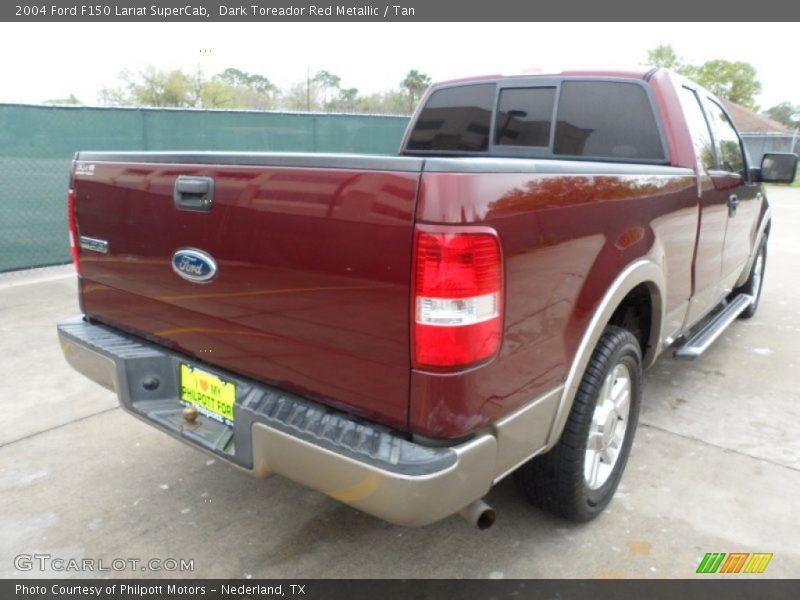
402	332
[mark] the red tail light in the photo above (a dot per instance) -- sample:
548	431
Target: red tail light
458	299
73	230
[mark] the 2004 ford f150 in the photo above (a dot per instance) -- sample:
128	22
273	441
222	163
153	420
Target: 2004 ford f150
402	332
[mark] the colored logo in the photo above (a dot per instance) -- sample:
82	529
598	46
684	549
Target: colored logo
735	562
194	265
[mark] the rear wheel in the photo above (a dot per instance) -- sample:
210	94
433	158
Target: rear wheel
754	284
578	477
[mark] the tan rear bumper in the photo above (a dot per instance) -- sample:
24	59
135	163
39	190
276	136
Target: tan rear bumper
393	478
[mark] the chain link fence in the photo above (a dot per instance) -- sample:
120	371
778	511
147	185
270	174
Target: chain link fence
37	144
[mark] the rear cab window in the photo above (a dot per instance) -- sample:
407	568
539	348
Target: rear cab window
567	118
455	119
698	129
524	117
728	144
606	120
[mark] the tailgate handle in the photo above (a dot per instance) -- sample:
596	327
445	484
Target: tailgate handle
194	193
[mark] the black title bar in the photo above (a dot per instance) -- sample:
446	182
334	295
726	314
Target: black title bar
264	11
432	589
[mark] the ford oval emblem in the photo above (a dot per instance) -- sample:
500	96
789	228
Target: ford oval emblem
194	265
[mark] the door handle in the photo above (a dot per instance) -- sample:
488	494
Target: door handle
733	203
193	193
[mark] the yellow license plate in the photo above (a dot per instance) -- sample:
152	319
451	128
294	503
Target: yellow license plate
208	393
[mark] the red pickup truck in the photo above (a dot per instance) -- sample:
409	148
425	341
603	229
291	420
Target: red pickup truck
403	332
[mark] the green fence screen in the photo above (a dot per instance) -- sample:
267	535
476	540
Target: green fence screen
37	144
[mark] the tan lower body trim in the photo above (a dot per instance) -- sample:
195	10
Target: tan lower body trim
400	499
523	434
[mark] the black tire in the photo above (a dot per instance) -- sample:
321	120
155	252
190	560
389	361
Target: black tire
555	481
755	282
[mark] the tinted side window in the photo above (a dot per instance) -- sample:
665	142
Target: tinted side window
606	119
728	146
698	128
524	116
455	119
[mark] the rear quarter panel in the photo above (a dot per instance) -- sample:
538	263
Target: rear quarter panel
565	238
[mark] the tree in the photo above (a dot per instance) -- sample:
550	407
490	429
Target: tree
303	95
415	83
151	87
786	113
230	89
217	94
70	100
328	84
347	100
253	81
393	102
234	77
235	88
736	81
664	56
251	90
162	88
262	84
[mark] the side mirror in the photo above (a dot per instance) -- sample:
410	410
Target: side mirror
777	168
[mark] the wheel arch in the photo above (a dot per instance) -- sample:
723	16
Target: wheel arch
639	277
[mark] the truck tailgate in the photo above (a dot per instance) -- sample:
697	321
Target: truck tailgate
313	258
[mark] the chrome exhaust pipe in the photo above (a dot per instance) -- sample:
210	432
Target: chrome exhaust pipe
479	514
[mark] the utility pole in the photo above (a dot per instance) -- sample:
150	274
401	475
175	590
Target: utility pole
308	88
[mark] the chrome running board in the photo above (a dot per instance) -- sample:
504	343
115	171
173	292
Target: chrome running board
699	341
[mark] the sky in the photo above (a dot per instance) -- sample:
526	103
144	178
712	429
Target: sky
43	61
